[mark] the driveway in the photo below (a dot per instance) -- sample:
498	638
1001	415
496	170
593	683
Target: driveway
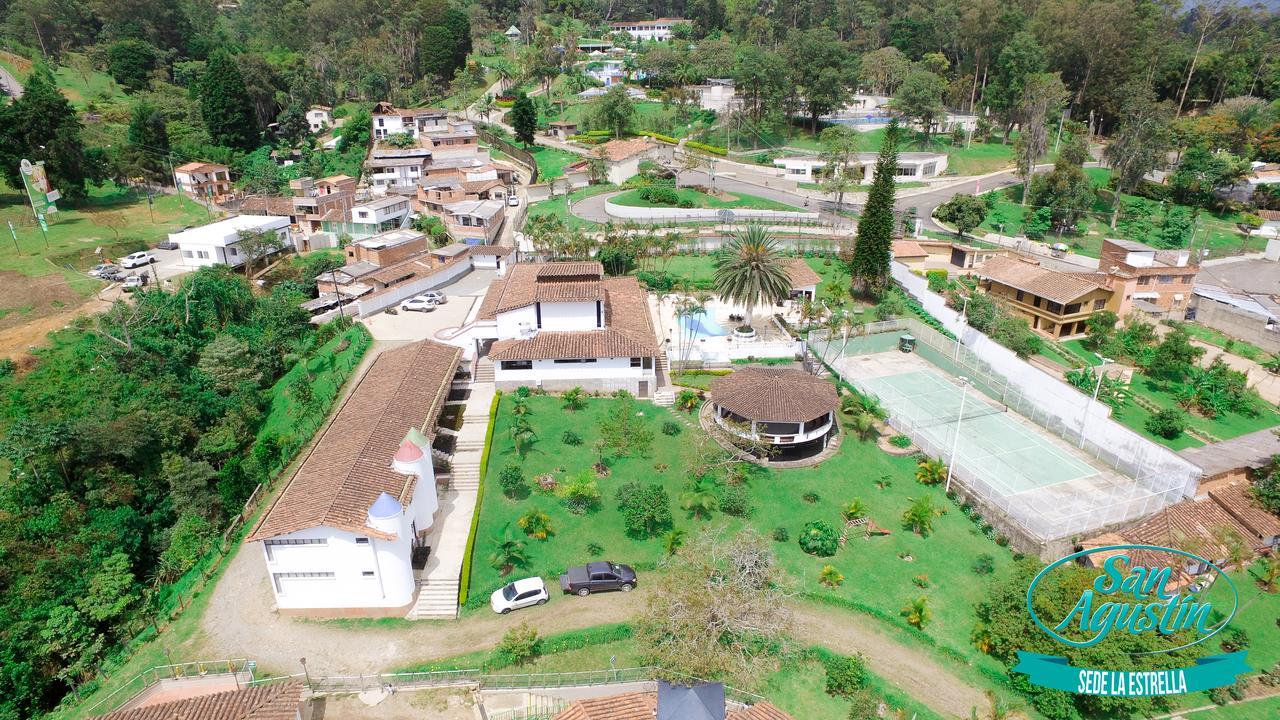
404	327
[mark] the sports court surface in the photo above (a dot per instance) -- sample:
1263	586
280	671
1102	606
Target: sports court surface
1041	481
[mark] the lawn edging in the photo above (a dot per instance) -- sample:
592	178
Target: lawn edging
465	585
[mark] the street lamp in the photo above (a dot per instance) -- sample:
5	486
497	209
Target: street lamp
955	442
964	320
305	671
1094	398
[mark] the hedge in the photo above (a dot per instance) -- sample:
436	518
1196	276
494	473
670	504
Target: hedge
465	585
713	149
659	136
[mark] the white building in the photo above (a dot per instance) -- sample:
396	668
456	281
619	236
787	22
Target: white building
912	166
659	29
560	325
218	243
371	218
319	118
791	410
340	538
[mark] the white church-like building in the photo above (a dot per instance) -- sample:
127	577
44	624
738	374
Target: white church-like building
341	537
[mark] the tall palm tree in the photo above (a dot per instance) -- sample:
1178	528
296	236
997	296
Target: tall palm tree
749	271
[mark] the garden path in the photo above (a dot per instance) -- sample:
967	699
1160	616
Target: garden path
1264	381
912	671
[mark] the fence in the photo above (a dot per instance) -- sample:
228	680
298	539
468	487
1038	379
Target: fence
671	215
139	683
518	154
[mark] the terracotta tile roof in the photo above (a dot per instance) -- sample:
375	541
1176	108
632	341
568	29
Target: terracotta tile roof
593	270
762	710
800	273
908	249
619	150
780	395
1241	505
527	284
275	701
644	706
628	330
200	167
350	465
492	249
1049	284
1189	526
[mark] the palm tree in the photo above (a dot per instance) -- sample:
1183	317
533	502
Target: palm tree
508	552
863	425
522	435
574	399
1267	571
673	539
749	271
855	510
931	471
919	516
485	107
917	612
700	500
830	576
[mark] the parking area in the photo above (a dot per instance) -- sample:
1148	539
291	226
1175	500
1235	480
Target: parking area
463	294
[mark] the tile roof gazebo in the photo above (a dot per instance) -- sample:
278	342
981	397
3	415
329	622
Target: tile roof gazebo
788	409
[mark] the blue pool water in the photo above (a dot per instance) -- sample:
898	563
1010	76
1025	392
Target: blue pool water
702	324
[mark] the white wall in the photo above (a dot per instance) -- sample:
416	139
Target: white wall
396	293
668	213
196	254
570	315
510	323
604	374
391	584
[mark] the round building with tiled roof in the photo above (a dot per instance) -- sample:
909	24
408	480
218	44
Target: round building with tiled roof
790	410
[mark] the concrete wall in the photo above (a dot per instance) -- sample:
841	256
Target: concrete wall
1237	323
669	213
346	561
604	375
393	295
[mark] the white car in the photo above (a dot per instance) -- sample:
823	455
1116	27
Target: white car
421	303
435	296
134	282
513	200
137	259
519	594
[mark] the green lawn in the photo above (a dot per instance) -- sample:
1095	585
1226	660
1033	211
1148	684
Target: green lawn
703	200
1252	710
1217	231
1226	342
699	271
649	117
559	207
942	559
977	159
96	87
551	161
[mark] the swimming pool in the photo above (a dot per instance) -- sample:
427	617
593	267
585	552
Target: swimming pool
700	324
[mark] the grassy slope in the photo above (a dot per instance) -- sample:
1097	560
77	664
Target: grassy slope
558	206
552	161
703	200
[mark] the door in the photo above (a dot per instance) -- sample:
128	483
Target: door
525	599
644	389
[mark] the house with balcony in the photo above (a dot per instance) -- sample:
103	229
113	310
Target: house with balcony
206	181
659	29
1163	281
475	222
563	325
341	538
1056	304
371	217
314	201
790	411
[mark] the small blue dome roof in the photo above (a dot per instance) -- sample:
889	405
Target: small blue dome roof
384	507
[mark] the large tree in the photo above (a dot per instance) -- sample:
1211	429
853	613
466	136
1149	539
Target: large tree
1066	190
749	270
840	158
1140	143
821	71
920	98
42	125
1019	60
225	105
869	266
524	119
147	151
1042	95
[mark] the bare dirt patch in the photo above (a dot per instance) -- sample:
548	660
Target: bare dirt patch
447	704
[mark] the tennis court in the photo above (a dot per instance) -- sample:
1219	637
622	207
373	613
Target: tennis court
1014	457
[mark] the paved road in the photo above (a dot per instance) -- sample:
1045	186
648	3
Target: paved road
9	84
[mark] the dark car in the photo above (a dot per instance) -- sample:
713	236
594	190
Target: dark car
598	576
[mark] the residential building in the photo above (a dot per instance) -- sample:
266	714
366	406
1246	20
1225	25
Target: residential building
363	277
659	29
388	248
475	222
909	253
271	205
269	701
513	34
1270	227
218	243
314	201
912	166
493	257
1253	317
561	325
562	129
804	281
1163	280
717	94
342	537
791	410
607	72
1055	303
371	217
207	181
319	118
622	158
703	701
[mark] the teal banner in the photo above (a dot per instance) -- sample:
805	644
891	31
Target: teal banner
1056	672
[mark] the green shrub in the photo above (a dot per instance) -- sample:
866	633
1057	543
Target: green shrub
713	149
536	524
580	493
671	428
819	538
659	136
519	645
659	195
937	280
595	550
569	437
811	497
1168	423
464	587
685	203
1234	639
845	674
524	391
512	480
781	534
984	564
646	509
735	500
900	441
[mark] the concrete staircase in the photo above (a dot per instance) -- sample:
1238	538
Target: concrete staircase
437	600
484	371
664	397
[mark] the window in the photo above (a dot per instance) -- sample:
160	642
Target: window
232	252
571	361
362	541
648	363
635	362
1099	304
314	542
1053	307
187	254
1144	280
1035	301
1166	279
517	364
276	578
367	573
1073	308
1019	296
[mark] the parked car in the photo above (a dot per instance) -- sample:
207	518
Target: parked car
598	576
435	295
102	269
519	594
421	303
137	259
134	282
513	200
114	274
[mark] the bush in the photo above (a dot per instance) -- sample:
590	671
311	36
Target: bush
781	534
900	441
580	493
570	437
811	497
671	428
646	509
657	281
511	480
524	391
937	280
595	550
819	538
1168	423
830	576
713	149
735	500
845	674
519	645
659	195
1234	639
536	524
984	564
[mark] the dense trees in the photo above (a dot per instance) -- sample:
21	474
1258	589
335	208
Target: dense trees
225	104
41	125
